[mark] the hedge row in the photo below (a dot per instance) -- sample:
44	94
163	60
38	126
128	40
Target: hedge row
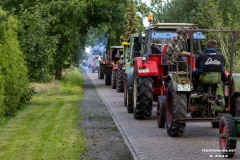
14	84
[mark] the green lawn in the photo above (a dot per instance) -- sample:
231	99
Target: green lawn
48	126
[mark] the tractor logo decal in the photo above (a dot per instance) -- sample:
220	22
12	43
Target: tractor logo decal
212	62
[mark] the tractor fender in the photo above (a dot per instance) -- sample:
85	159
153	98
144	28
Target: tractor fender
130	83
235	85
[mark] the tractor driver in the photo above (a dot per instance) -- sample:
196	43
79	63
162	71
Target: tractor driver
177	48
209	61
115	55
155	48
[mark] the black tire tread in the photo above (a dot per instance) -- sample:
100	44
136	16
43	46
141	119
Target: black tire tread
108	76
120	79
161	106
101	71
130	103
114	78
227	119
143	109
179	111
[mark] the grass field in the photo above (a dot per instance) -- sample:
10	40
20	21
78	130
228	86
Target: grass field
48	126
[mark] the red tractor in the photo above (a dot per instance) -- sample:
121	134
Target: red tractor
109	65
151	69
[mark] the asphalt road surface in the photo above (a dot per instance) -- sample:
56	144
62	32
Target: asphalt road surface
148	142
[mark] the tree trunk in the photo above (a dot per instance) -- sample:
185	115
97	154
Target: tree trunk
58	73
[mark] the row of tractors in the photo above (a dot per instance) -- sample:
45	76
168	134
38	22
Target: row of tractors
140	69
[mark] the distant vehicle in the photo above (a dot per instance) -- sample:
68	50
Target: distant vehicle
94	63
84	63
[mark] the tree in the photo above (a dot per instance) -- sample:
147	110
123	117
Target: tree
14	88
131	25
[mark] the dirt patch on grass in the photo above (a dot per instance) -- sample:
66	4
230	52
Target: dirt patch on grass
45	87
104	141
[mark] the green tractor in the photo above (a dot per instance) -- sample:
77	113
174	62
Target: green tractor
120	67
135	49
212	98
229	127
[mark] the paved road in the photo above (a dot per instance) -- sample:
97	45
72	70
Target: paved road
148	142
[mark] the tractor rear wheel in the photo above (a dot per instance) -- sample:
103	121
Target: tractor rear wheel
130	103
108	75
176	109
114	78
143	97
161	115
120	79
128	98
101	72
125	90
227	129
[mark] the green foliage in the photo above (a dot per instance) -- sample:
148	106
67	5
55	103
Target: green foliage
68	22
72	77
110	14
14	88
177	11
38	46
131	25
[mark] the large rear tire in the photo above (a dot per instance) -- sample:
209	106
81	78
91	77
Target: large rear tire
108	76
161	114
129	103
101	72
125	90
176	109
120	79
227	129
143	97
114	78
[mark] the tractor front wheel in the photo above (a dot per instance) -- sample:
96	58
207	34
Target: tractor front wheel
114	78
161	118
128	98
227	129
101	72
125	90
176	109
143	97
120	79
108	76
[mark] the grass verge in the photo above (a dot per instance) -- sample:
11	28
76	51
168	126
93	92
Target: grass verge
48	126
